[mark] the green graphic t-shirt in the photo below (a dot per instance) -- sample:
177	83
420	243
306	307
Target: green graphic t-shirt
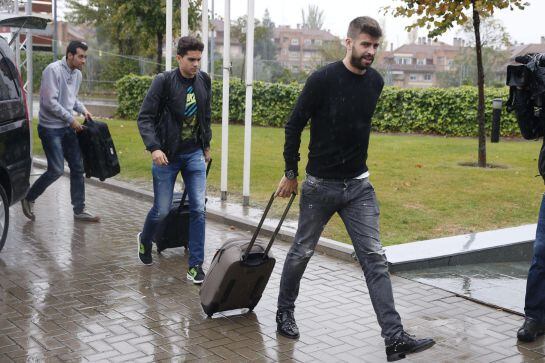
190	125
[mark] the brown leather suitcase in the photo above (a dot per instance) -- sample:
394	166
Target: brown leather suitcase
240	270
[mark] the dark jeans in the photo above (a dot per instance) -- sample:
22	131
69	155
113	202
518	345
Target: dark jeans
193	168
60	144
356	203
535	286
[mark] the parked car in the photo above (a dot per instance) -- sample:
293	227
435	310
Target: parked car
15	125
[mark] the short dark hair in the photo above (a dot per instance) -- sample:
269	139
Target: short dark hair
74	45
185	44
364	24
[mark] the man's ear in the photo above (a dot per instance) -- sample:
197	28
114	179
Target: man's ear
348	44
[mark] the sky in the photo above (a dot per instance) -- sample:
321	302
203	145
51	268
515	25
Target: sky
339	13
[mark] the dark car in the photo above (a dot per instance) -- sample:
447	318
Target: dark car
15	147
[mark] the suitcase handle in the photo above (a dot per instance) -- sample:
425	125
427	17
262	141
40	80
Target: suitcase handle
258	229
184	195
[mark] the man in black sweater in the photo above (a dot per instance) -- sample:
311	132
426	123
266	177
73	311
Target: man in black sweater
340	100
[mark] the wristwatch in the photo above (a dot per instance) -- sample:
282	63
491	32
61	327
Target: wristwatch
290	174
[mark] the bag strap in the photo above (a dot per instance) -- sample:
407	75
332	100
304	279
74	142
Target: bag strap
184	195
258	229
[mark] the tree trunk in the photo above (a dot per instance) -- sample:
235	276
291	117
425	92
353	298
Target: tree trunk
480	86
159	52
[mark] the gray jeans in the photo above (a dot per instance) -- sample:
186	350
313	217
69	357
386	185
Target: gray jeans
356	203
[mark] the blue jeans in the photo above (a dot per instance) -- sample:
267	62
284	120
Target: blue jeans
534	306
193	168
356	203
60	144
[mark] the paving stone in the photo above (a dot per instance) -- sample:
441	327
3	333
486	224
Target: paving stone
71	291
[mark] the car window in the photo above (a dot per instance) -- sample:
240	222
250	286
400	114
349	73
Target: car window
8	86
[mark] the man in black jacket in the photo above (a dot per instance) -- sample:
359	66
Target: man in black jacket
174	123
340	100
532	127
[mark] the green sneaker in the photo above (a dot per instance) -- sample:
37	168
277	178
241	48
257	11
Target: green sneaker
144	253
195	274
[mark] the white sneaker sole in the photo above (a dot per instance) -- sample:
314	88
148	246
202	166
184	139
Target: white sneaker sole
196	282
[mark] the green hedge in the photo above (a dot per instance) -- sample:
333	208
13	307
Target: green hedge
441	111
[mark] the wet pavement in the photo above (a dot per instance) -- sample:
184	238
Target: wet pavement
499	284
71	291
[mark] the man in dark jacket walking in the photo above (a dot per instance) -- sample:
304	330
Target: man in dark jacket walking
340	99
174	123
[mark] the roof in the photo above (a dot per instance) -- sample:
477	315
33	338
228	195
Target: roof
526	48
430	49
318	33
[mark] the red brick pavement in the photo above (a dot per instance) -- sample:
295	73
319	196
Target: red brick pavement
72	291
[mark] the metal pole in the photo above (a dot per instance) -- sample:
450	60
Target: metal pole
225	100
204	21
212	44
29	65
496	116
184	18
17	42
168	56
248	109
55	34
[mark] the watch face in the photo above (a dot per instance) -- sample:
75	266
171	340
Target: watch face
290	174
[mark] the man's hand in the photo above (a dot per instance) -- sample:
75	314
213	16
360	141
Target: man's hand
76	126
87	115
207	156
286	187
159	158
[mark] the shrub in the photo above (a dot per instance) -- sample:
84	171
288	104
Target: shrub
440	111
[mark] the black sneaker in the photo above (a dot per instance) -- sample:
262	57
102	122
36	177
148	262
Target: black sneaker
195	274
286	325
530	330
144	253
402	344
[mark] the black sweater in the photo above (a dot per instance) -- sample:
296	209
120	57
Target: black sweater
340	105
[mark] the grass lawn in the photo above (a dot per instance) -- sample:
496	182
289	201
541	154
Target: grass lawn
422	190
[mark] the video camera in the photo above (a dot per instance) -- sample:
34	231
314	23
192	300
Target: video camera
530	76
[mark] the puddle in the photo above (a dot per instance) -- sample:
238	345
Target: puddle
501	284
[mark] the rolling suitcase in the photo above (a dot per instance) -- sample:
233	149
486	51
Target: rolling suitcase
173	230
98	150
240	271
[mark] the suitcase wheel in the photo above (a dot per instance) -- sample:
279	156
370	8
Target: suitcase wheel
102	179
87	175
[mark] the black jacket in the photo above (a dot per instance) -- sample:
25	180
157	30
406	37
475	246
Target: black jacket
164	107
532	126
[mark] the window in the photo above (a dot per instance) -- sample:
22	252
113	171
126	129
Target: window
427	77
403	60
318	42
294	55
294	41
8	88
441	61
308	42
413	77
420	62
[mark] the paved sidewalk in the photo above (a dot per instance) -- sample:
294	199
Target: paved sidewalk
74	291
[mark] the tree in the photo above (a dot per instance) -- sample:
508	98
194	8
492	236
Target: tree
135	26
263	33
494	40
314	18
438	16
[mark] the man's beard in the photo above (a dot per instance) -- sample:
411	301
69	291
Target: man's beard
355	61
